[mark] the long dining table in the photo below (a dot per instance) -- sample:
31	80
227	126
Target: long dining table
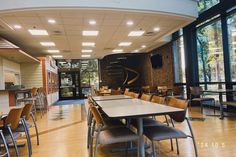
137	109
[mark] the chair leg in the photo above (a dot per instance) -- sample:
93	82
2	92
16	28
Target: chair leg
171	141
201	107
176	140
35	126
153	149
96	143
14	141
214	106
193	138
5	144
27	137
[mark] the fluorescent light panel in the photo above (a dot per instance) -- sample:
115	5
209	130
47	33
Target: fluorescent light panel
117	50
57	56
86	51
129	23
38	32
136	33
88	44
52	21
47	43
85	56
125	43
17	26
53	51
156	29
90	33
92	22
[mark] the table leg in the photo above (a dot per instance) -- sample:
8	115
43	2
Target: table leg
221	106
141	149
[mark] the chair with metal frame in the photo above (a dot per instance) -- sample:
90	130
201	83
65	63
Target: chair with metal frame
106	135
158	133
145	97
198	96
3	141
10	124
27	114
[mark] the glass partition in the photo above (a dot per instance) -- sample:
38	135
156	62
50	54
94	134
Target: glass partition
231	20
210	53
203	5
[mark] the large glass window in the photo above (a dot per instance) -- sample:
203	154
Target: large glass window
203	5
179	60
232	44
210	53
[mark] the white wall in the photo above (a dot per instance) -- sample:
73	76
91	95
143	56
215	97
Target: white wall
31	75
4	98
8	66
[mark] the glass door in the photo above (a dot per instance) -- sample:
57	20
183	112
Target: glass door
69	85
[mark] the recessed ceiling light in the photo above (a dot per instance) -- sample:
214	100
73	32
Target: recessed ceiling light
89	33
143	46
136	50
38	32
85	56
136	33
156	29
125	43
17	26
88	44
86	51
47	43
92	22
53	51
117	50
129	23
52	21
57	56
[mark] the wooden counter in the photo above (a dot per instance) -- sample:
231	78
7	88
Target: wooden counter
14	95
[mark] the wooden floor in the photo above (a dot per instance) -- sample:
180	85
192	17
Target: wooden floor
63	134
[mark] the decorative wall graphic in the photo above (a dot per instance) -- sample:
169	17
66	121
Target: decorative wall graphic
127	71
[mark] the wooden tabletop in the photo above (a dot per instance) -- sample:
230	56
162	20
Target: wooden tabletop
110	97
125	108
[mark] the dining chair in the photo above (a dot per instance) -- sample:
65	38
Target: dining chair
10	124
197	95
158	99
106	135
134	95
145	97
126	91
159	133
4	143
26	115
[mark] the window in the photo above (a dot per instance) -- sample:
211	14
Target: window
203	5
179	61
231	20
210	53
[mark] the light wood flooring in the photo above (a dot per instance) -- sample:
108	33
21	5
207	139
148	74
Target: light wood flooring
63	134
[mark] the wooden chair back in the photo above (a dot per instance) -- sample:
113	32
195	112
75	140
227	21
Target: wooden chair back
178	103
34	91
13	118
146	97
134	95
158	99
196	91
26	111
126	91
97	116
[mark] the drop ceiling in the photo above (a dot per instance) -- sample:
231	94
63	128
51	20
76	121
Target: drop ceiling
66	33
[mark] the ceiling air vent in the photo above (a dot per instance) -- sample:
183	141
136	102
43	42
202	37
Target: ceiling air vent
66	51
57	32
149	34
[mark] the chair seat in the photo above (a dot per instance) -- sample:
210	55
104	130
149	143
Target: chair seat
230	103
20	128
147	122
8	137
159	133
117	135
203	99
